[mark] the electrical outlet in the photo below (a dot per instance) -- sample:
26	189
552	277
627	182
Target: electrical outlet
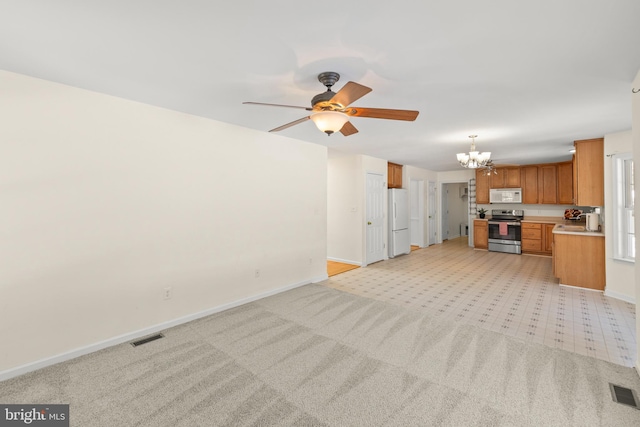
167	293
310	260
257	273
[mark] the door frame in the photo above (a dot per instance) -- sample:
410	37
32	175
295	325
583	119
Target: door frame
432	209
441	185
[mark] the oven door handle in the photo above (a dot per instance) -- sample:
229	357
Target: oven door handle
502	222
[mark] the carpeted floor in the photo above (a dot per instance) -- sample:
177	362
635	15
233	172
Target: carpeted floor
315	356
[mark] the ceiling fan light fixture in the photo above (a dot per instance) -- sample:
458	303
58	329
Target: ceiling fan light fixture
329	121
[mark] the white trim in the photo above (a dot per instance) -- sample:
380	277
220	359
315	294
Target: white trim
581	288
618	295
344	261
63	357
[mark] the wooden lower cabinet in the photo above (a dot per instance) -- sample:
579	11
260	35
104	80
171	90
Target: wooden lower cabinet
480	234
537	238
579	260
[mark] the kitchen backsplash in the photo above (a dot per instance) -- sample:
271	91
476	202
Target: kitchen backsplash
535	210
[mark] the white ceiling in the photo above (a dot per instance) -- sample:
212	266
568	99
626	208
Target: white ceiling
527	78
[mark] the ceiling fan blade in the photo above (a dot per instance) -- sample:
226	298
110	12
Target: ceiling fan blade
382	113
349	93
348	129
278	105
288	125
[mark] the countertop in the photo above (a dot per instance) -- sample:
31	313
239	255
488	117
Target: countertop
560	222
558	229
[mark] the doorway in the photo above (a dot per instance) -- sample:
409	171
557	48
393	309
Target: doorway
455	210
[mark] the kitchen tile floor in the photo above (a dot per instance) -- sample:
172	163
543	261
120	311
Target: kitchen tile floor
511	294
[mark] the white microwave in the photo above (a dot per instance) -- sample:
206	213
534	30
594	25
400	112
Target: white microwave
505	195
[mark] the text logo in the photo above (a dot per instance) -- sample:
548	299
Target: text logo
34	415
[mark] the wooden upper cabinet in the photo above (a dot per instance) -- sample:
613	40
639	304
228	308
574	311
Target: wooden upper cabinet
512	177
506	178
482	188
497	178
394	175
548	184
589	172
565	183
529	181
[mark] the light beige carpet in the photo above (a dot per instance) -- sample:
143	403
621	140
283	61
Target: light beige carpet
316	356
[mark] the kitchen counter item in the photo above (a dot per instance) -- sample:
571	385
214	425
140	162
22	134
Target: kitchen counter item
572	214
593	222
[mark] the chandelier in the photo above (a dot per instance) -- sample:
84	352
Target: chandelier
474	159
489	169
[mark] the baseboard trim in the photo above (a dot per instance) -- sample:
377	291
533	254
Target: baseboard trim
63	357
344	261
618	295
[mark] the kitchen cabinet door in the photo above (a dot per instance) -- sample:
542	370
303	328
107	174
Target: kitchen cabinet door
579	260
547	184
512	177
480	234
589	164
482	188
548	238
565	183
394	175
529	181
497	178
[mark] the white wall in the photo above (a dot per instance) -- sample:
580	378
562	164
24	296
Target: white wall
635	126
620	274
346	205
344	209
105	202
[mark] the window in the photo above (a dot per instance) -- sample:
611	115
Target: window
624	239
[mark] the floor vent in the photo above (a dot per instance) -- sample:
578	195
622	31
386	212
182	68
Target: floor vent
624	395
147	339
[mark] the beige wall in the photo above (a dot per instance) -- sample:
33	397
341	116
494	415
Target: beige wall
620	274
106	202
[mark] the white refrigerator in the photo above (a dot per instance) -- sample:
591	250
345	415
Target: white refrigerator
399	239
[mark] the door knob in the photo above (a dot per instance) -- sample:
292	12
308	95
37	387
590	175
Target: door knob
368	222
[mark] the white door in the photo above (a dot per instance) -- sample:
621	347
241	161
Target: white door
431	208
374	218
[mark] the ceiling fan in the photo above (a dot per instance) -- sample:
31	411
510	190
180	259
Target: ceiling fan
490	167
331	110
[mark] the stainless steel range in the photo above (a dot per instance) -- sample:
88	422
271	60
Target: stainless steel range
505	231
